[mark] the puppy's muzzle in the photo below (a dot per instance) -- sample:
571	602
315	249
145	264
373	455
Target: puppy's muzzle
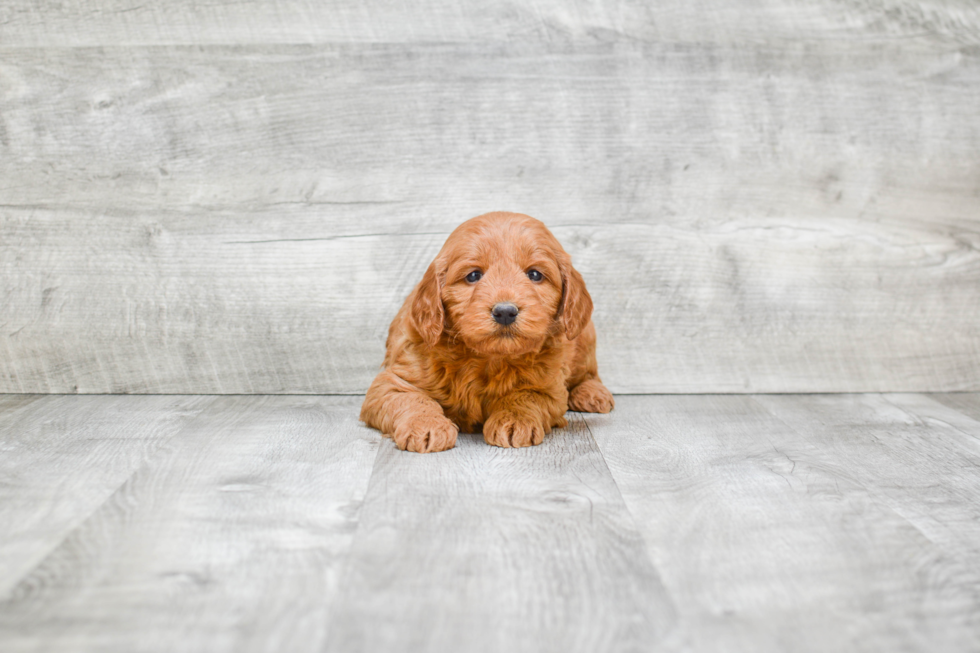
504	313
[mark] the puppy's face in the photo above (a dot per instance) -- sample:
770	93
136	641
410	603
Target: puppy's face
504	285
502	290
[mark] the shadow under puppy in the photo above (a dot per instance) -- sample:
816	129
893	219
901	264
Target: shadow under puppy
498	335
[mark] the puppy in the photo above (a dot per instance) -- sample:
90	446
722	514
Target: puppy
498	335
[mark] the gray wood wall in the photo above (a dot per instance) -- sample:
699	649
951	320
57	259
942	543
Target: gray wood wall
765	196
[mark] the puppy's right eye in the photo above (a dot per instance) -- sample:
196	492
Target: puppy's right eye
474	276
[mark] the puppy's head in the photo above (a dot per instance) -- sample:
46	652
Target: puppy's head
502	284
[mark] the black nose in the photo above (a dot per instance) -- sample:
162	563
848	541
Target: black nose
504	313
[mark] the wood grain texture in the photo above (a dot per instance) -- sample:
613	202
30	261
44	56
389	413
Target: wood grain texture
805	523
131	22
488	549
676	523
967	403
62	457
231	541
761	196
718	277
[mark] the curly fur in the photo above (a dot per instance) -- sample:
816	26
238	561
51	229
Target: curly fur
450	366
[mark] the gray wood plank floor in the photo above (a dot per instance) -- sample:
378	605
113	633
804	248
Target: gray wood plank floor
676	523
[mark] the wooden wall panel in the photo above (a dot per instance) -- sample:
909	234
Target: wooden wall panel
246	214
134	22
172	303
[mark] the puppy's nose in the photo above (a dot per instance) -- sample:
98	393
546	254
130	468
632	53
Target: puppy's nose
504	313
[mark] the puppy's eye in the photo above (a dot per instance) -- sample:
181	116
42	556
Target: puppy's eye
474	276
534	275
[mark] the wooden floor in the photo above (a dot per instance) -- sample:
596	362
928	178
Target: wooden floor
678	523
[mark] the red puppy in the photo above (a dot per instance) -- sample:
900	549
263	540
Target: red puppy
497	334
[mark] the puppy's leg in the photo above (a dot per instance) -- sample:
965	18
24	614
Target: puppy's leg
590	396
412	419
523	418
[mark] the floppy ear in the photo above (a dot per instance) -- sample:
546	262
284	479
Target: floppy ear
427	311
575	308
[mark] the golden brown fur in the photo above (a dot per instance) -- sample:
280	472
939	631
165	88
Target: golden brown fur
450	366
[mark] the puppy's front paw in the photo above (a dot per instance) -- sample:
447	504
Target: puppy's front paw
505	429
425	434
591	397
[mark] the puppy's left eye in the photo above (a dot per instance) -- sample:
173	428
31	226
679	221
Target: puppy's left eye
534	275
